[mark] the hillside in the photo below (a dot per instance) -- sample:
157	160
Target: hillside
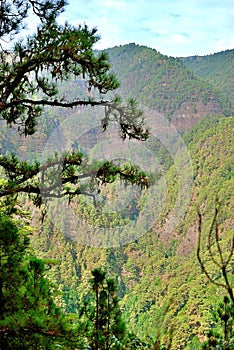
164	294
168	85
177	282
160	281
218	69
165	84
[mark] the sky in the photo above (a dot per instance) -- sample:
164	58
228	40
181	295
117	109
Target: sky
175	28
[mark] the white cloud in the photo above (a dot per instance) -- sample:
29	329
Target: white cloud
179	38
176	28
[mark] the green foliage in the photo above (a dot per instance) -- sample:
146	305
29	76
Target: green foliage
161	82
164	294
29	317
217	69
221	335
103	325
32	77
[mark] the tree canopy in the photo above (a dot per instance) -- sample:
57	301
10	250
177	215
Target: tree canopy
28	315
30	76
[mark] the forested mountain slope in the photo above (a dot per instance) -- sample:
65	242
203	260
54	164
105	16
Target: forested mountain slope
168	85
162	287
217	68
165	84
181	293
164	293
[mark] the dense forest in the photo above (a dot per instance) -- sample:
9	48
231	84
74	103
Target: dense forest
164	83
215	69
116	216
159	277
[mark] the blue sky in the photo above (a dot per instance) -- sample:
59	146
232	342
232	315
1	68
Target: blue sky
173	27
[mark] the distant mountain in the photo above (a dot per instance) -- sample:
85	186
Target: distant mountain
166	84
217	69
184	90
162	288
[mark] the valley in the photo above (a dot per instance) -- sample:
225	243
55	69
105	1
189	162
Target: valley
163	292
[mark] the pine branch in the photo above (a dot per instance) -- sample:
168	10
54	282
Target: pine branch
55	54
41	180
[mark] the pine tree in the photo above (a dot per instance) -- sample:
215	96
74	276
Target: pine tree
30	75
31	72
101	315
29	318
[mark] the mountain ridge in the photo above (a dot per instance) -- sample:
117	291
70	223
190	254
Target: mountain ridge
166	84
161	285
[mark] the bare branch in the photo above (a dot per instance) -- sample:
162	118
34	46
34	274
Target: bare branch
223	265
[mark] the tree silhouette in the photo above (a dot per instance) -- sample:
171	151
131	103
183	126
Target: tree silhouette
218	258
101	314
224	314
30	76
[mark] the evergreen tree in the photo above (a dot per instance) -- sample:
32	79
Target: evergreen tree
29	318
101	315
30	76
31	71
